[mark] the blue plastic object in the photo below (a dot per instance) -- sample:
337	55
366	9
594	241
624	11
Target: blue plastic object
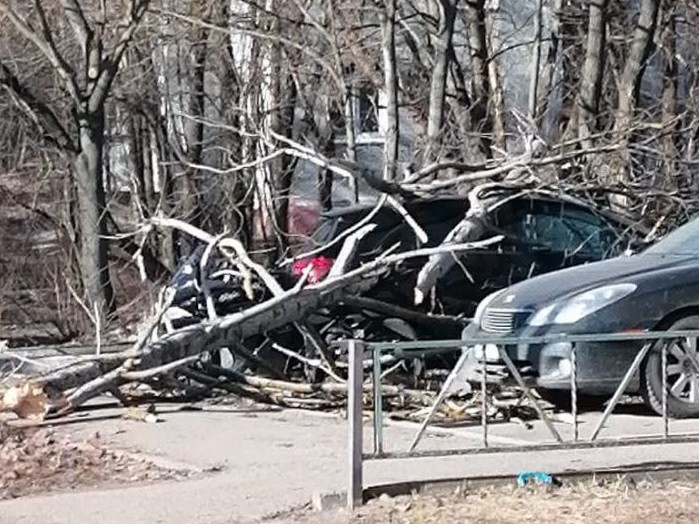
538	477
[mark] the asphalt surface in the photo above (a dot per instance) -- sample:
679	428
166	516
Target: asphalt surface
256	463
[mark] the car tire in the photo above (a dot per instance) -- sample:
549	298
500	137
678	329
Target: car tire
683	394
560	398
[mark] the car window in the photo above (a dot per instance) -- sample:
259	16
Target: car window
565	230
589	234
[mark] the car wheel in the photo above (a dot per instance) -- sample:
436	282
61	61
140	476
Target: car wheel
560	398
682	375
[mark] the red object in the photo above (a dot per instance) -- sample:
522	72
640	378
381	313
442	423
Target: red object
321	267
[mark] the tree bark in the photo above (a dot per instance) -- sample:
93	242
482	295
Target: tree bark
481	120
618	169
92	213
190	182
669	101
286	174
443	53
635	62
388	27
496	88
325	177
350	99
536	62
550	93
592	72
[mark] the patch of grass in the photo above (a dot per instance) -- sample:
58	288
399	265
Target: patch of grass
620	501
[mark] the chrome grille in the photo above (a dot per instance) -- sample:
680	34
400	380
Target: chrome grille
503	320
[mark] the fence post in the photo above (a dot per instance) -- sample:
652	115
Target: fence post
355	378
378	402
664	398
574	390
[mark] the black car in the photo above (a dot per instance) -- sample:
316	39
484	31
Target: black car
657	289
542	233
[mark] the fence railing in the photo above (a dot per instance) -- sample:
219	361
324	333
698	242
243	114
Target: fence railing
357	350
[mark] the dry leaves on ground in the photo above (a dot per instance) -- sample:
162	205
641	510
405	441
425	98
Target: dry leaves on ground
37	460
610	502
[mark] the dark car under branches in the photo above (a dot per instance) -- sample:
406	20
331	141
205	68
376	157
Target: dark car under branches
540	234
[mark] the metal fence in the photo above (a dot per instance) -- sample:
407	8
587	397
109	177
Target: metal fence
357	350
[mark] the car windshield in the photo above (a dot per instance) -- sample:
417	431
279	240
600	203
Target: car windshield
682	241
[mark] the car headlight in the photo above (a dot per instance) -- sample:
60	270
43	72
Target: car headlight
578	307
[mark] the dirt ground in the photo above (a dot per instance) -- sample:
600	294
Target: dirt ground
37	460
610	502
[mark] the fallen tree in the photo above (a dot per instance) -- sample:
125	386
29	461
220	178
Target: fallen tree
65	388
161	358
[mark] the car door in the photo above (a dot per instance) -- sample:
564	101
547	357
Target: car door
546	235
590	237
533	243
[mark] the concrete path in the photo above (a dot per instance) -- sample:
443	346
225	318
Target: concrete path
270	461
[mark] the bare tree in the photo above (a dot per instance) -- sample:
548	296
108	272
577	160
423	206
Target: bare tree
87	82
481	117
443	55
633	67
669	97
388	30
534	74
592	71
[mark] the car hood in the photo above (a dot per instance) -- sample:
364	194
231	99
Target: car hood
541	290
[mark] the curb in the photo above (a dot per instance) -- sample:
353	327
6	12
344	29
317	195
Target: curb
655	471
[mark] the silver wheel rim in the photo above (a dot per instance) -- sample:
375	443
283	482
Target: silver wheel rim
682	372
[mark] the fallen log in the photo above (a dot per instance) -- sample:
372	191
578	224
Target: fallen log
72	385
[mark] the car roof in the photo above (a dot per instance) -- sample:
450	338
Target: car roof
440	207
417	203
420	208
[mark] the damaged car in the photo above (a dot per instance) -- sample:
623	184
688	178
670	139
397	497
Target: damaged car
540	233
537	233
654	290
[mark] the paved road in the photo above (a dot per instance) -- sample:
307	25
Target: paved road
273	460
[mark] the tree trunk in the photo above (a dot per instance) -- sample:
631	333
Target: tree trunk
325	176
236	213
286	174
140	150
498	96
443	52
480	84
669	102
618	167
536	62
391	90
592	72
350	99
550	97
92	208
635	62
194	130
460	105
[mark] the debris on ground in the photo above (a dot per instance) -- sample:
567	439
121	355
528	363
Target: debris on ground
536	477
39	460
142	414
619	502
